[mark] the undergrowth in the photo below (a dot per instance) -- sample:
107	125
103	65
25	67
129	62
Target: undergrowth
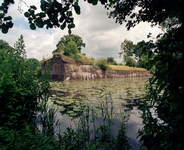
85	134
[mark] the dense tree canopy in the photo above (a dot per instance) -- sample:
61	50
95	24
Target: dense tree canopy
139	51
127	48
71	50
130	61
66	39
59	14
32	61
5	46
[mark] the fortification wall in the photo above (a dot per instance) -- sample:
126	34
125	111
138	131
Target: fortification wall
87	72
64	70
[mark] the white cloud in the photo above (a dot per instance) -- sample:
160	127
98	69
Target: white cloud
101	34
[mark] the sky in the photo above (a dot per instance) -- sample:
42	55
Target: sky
101	34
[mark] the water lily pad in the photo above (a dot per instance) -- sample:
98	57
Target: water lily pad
70	112
66	117
73	114
61	109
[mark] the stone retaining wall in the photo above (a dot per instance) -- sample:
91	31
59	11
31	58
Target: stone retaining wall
64	70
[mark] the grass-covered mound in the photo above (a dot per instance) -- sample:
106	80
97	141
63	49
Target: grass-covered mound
98	64
122	67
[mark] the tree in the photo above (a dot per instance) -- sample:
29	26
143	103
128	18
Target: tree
144	54
66	39
4	45
21	91
127	48
165	90
110	59
32	61
130	61
20	46
71	50
59	14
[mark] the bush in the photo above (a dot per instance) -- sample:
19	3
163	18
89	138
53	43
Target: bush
110	60
20	90
101	64
130	62
114	63
71	50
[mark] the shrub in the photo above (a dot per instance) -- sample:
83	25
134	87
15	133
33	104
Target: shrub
130	62
114	63
71	50
20	90
110	60
101	64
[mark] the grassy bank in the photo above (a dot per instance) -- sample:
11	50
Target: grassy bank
121	67
99	64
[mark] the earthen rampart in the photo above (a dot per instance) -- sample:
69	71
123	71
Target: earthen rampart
64	70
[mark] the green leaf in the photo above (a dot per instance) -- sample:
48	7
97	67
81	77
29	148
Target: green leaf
33	7
43	7
71	26
32	26
1	15
26	14
90	1
9	24
77	9
69	13
4	31
7	18
62	19
95	2
42	15
4	28
39	23
69	31
63	26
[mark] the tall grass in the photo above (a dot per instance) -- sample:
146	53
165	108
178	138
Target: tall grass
88	134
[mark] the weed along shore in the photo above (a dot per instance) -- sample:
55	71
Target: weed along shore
101	111
62	68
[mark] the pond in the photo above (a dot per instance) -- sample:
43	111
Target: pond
116	99
68	96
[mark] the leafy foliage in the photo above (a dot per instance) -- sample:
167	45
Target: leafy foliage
110	60
81	136
71	50
165	94
127	48
5	46
20	89
101	64
130	61
32	61
155	12
66	39
59	14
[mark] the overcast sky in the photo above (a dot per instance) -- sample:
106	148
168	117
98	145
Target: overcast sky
101	34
